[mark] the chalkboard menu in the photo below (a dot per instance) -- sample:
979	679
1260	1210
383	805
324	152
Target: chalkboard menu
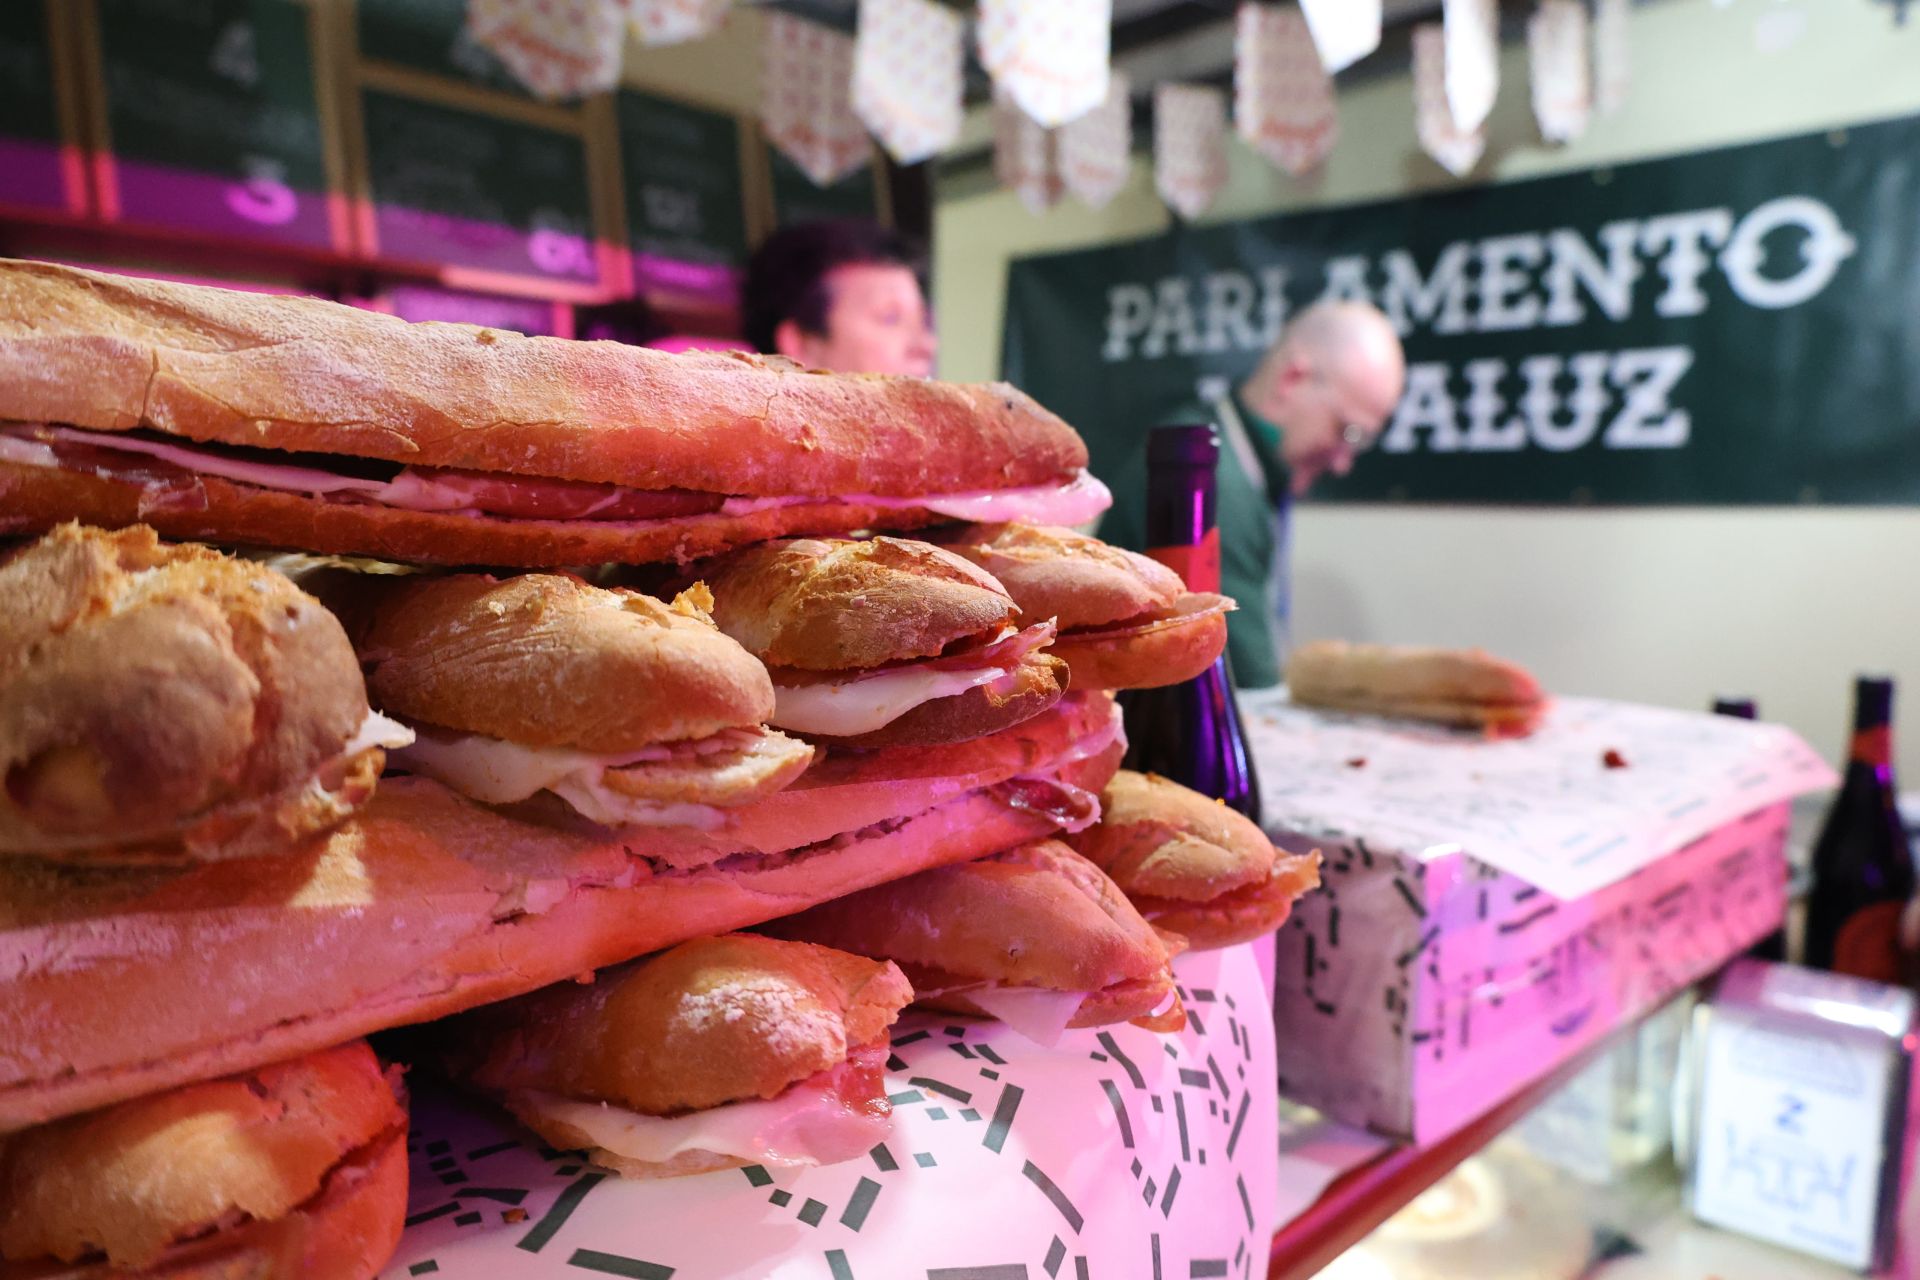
37	171
796	199
211	120
686	210
431	35
457	188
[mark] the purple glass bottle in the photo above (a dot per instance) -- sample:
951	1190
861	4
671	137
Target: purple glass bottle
1863	871
1189	732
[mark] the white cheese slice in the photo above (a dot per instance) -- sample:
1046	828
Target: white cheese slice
865	704
378	731
1076	502
1041	1014
494	771
805	1125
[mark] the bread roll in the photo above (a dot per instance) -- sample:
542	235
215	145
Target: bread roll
1190	864
295	1168
706	1025
168	704
1468	688
1126	621
1035	917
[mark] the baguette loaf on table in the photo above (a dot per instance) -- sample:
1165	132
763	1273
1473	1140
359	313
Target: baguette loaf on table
296	1168
284	421
885	641
716	1053
168	704
425	904
1467	688
1125	621
1190	864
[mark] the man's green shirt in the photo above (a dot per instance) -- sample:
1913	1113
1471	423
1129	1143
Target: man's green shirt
1252	512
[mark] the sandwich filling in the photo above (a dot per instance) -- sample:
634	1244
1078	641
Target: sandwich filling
830	1116
672	784
842	704
169	470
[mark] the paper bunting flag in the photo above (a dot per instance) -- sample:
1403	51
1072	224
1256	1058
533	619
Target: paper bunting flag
559	49
1189	146
1282	94
907	61
804	98
1612	64
1473	59
1457	149
1024	156
1096	149
1344	31
1051	57
676	21
1558	69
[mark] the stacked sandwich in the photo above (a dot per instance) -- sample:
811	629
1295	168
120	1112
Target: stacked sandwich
656	869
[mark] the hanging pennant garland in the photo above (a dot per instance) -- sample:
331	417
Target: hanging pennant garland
659	22
1457	149
804	99
1612	60
906	76
1473	59
1051	58
1282	93
1344	31
559	49
1024	156
1095	151
1189	146
1559	69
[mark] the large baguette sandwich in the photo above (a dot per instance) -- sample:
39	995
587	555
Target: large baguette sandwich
426	903
295	422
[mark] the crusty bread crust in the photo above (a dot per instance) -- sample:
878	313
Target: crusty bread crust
1076	580
1035	916
35	499
422	905
708	1022
819	604
1168	647
1159	839
162	703
1190	864
296	373
1470	688
546	660
133	1180
112	353
1036	684
1239	915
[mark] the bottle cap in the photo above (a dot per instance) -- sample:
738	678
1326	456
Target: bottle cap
1194	446
1873	698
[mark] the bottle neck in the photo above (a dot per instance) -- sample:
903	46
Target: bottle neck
1872	743
1181	530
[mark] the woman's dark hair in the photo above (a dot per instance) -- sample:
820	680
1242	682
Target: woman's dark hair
786	277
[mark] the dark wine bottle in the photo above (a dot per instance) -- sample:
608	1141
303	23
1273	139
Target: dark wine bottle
1774	946
1862	867
1189	732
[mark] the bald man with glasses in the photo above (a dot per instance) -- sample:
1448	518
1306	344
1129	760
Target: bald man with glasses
1318	399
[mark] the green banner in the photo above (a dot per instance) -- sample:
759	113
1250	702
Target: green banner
1731	326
